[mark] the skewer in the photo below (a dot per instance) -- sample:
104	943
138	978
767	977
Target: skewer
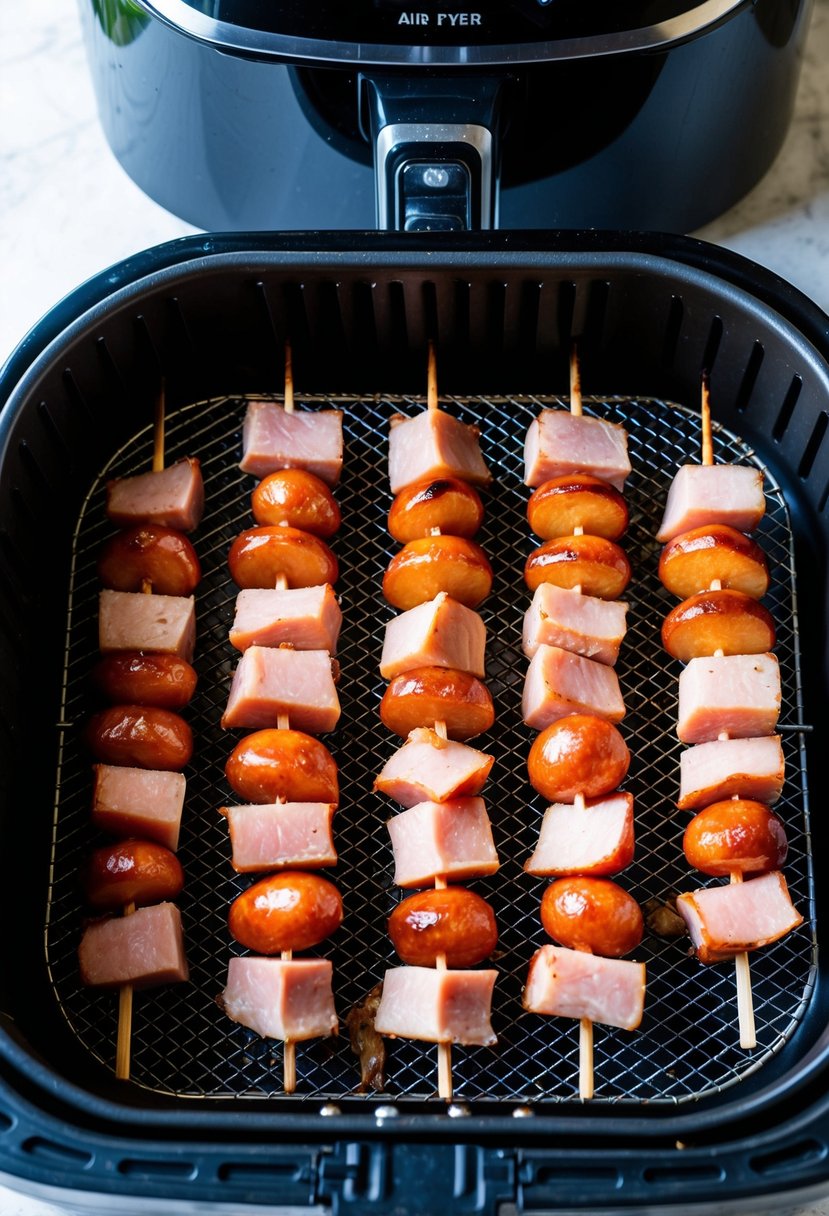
745	999
289	378
575	383
124	1036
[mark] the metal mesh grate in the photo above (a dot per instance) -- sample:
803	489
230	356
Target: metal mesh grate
182	1043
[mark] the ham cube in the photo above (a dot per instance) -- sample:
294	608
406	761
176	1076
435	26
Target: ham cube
572	984
163	624
713	494
428	768
560	683
726	921
296	683
735	694
583	624
434	444
288	999
172	497
274	439
559	442
144	949
439	633
437	1006
307	617
138	802
594	839
270	836
451	840
750	768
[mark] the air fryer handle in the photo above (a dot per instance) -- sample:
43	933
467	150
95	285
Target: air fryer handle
436	142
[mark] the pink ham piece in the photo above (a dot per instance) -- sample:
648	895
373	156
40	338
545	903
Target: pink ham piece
428	768
726	921
272	835
713	494
583	624
437	1006
305	439
750	768
439	633
434	444
307	617
559	442
172	497
738	694
269	682
572	984
594	839
138	802
163	624
144	949
288	999
560	683
451	840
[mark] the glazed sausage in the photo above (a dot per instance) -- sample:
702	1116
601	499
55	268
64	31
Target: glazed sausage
140	736
163	556
694	560
132	871
273	764
130	676
453	921
561	505
738	834
597	565
426	695
592	914
445	503
432	564
260	555
297	498
726	620
288	911
578	754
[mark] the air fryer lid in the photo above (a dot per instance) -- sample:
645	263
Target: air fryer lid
440	31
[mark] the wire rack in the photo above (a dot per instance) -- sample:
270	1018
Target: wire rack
687	1045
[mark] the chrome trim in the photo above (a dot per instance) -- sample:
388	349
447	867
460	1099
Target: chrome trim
181	16
391	136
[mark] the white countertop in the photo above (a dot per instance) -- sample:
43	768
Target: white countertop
68	210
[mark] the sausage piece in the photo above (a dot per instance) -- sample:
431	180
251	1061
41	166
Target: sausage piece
425	695
297	498
273	764
736	835
596	565
453	921
561	505
288	911
725	620
258	556
578	754
425	567
163	556
128	676
592	914
140	736
446	503
132	871
693	560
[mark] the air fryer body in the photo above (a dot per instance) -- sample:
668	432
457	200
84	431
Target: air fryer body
662	138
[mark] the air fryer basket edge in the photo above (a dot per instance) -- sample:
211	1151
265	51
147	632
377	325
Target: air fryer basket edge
518	364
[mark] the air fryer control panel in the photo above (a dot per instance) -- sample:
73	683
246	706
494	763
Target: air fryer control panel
441	22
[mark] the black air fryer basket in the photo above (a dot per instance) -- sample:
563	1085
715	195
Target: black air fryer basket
681	1117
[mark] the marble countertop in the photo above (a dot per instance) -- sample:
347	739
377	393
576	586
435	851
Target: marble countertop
68	210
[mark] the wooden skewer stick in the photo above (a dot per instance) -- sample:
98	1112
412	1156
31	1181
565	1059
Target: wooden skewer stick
432	377
283	722
585	1024
124	1036
289	378
444	1049
742	968
575	383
